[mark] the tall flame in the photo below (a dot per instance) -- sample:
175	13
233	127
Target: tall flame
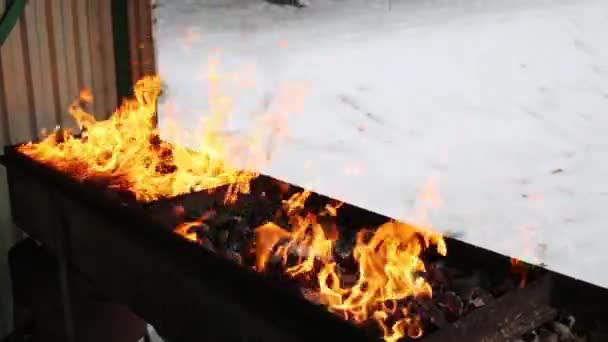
389	266
126	150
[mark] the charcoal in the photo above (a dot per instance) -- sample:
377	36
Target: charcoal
452	305
465	284
433	313
546	335
240	236
478	297
565	332
311	295
598	336
224	221
207	244
221	238
530	337
234	256
201	231
436	275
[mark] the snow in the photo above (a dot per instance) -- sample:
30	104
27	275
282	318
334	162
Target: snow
503	103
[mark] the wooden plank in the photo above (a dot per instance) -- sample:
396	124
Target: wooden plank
46	18
15	86
96	57
81	40
4	131
44	90
40	92
30	65
500	320
69	29
147	55
134	42
109	70
60	65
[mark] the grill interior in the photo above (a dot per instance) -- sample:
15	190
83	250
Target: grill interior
129	252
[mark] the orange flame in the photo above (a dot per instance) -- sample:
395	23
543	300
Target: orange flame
127	151
183	229
389	262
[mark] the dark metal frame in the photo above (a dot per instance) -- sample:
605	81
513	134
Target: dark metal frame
191	294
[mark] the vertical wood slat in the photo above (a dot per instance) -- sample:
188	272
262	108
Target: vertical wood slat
141	40
14	85
96	56
57	48
45	19
61	67
134	40
71	53
81	34
107	49
148	62
40	52
4	132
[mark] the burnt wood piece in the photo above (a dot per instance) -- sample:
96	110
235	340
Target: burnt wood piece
506	318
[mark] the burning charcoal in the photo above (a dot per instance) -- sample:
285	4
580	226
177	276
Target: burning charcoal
311	295
348	279
201	230
179	211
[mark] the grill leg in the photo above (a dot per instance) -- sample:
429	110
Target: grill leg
62	267
66	300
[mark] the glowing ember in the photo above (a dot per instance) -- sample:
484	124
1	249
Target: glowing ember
126	151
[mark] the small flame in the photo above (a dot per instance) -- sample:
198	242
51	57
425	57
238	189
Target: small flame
185	229
520	269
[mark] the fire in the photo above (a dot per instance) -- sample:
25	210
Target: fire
126	150
389	266
184	229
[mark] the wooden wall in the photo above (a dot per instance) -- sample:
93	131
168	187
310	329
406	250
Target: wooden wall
141	47
56	49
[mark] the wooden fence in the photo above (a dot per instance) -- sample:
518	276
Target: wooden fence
56	49
59	47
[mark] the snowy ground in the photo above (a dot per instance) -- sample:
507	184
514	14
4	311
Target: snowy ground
504	103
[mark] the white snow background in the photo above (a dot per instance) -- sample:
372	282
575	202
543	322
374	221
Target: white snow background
504	103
